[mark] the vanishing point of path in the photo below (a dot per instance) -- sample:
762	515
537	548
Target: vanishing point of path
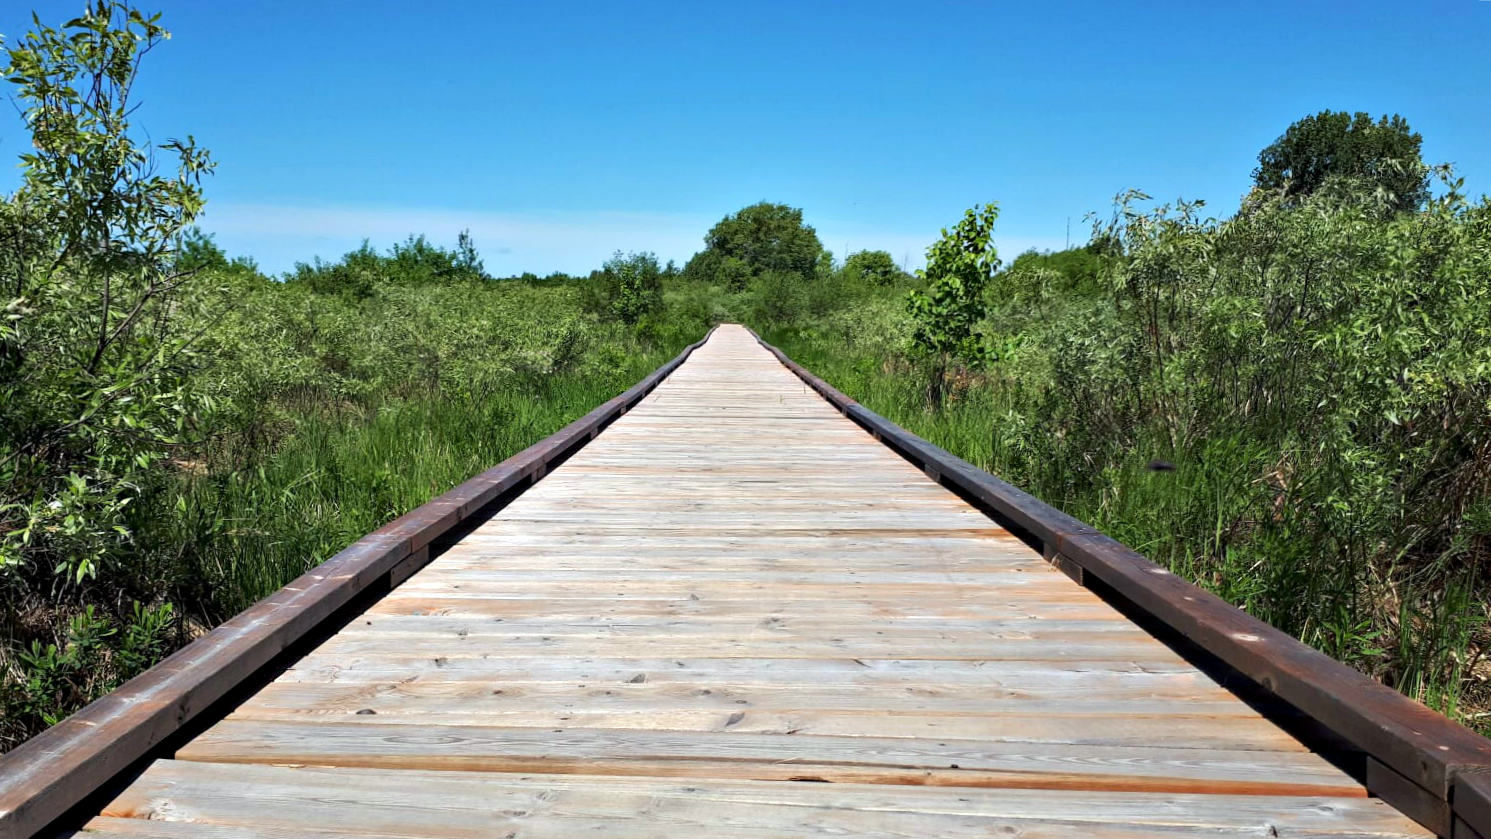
734	614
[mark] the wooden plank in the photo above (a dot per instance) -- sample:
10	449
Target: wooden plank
704	573
760	756
464	806
596	609
603	669
601	644
784	627
831	670
1472	801
1030	725
1409	798
496	696
702	587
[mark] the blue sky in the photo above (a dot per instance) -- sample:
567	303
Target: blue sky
559	132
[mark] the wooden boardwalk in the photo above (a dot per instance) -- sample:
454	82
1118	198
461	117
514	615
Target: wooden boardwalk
731	594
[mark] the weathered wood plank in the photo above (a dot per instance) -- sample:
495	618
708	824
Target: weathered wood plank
1030	726
760	756
594	609
601	644
496	696
743	670
463	806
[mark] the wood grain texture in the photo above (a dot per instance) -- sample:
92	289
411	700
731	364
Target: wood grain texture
176	798
724	753
1472	801
729	594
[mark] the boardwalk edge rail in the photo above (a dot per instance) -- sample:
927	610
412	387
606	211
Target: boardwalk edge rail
43	779
1430	768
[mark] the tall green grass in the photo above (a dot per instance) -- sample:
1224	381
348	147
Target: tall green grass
343	472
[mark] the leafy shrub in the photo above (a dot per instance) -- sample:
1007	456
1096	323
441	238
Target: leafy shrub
631	286
96	357
49	680
947	313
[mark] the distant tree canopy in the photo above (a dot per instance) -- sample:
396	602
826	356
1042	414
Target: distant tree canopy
414	262
873	267
758	239
197	251
1079	267
1334	145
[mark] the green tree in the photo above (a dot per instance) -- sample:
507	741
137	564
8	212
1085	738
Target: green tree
417	261
946	314
1381	156
633	285
97	346
94	383
711	266
355	276
1075	270
197	250
467	260
757	239
872	267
